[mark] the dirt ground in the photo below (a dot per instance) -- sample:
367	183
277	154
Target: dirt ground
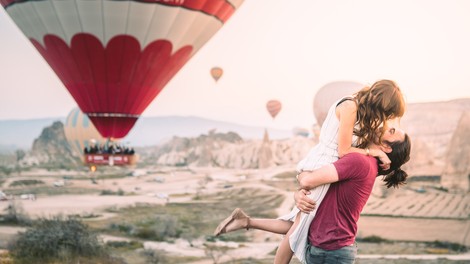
414	229
173	186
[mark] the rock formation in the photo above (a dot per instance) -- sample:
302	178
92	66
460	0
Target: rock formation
431	127
51	148
265	153
457	169
230	151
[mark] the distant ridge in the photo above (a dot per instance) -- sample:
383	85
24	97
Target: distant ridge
153	130
20	133
148	131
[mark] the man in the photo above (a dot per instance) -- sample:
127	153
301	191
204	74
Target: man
333	230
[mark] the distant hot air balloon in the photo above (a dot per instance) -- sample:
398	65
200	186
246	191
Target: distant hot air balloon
80	132
329	93
216	73
273	107
115	57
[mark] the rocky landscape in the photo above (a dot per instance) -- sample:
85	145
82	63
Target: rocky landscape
223	170
440	133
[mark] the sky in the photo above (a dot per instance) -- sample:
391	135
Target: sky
279	49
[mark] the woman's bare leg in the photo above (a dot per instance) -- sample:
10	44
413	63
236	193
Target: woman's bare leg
239	220
284	252
277	226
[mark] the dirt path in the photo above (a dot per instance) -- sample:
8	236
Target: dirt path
78	204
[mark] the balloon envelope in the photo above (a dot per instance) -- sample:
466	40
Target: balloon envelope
80	132
329	93
115	57
273	107
216	73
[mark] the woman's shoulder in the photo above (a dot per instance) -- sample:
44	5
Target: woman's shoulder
346	100
348	104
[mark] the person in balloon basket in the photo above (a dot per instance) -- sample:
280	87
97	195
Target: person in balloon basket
354	124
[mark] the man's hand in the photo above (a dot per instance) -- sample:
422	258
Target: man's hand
305	204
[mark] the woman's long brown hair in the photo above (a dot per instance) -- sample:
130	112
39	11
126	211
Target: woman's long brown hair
376	104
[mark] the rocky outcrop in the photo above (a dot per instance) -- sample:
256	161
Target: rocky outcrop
431	127
230	151
440	135
265	153
51	148
457	168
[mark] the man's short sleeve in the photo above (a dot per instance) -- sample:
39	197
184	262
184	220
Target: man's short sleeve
352	165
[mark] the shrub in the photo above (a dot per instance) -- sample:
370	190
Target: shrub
147	233
119	192
154	256
160	228
124	227
5	170
14	214
372	239
448	245
56	239
125	244
26	182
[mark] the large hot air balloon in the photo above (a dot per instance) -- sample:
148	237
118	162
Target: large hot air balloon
216	73
273	107
329	93
80	132
115	57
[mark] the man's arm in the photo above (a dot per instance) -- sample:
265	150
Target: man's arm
311	179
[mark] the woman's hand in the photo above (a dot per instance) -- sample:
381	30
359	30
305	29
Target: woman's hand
382	156
305	204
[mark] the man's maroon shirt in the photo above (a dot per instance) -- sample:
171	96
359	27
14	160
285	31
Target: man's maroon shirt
335	224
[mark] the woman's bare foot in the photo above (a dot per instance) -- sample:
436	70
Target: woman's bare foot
236	221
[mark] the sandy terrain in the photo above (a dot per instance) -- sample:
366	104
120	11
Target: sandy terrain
179	186
413	229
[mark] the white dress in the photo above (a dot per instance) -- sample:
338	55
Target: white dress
325	152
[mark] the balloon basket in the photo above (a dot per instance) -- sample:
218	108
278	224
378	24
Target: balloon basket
110	159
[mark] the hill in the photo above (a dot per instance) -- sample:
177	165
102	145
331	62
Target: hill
148	131
20	134
151	131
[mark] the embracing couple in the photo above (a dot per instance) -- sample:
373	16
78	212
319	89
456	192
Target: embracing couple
360	139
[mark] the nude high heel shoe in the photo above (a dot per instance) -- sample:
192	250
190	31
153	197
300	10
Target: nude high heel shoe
236	221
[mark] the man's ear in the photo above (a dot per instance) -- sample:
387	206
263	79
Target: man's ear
386	148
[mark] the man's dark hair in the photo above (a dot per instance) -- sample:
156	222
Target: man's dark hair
395	176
